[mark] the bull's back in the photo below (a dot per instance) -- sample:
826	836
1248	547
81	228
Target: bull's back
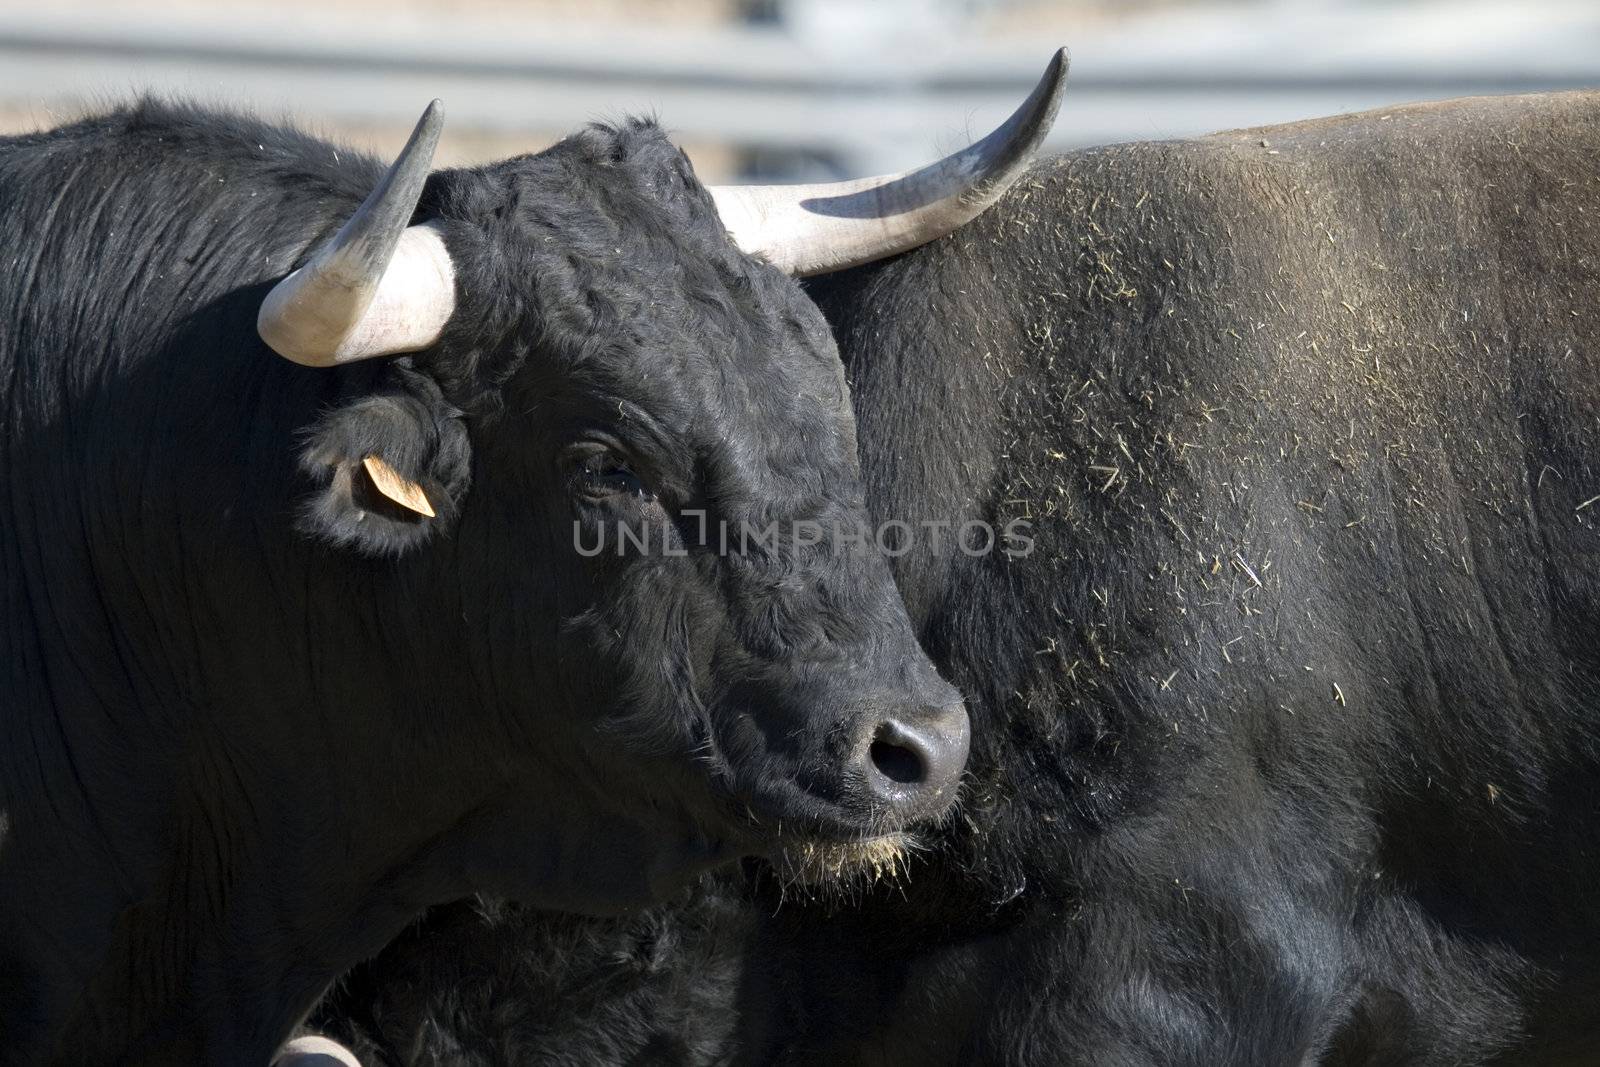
1305	422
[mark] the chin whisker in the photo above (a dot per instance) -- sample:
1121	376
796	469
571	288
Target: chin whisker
835	869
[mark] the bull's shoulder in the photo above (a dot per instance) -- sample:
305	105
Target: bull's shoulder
1464	120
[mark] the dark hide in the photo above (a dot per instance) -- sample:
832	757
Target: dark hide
1285	734
254	718
659	987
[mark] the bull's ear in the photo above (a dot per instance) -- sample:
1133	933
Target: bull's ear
393	469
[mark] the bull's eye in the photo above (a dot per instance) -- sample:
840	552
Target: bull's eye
604	475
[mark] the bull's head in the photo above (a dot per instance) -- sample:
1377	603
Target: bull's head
675	595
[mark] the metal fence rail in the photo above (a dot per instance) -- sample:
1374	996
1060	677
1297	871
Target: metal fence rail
856	105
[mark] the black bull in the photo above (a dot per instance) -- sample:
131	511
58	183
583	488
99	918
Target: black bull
1286	734
288	654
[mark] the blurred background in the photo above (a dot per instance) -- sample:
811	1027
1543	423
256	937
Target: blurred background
781	89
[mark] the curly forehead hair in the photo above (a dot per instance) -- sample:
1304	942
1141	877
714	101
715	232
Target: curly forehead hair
607	238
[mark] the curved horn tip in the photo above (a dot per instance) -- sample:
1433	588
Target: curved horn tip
380	286
1030	124
819	228
425	134
432	115
1054	79
1060	60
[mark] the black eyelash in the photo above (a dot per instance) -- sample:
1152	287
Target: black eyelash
604	475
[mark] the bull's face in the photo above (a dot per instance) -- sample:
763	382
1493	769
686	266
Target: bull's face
682	417
674	590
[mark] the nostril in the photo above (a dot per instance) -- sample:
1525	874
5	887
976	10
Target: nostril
896	760
912	761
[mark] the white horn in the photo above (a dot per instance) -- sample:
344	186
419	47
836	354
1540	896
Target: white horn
314	1052
380	286
813	229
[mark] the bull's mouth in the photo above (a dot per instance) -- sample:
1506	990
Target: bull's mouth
813	862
